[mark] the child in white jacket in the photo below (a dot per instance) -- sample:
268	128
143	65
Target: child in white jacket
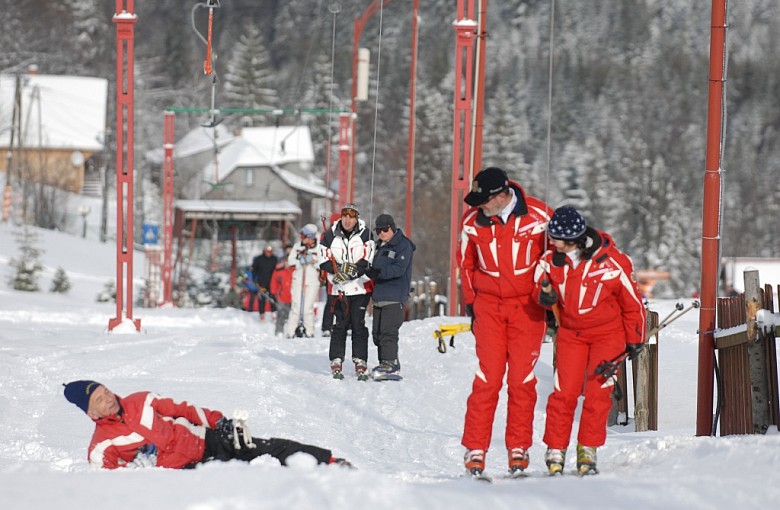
304	257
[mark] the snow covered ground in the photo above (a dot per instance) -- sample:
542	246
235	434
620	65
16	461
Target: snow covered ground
403	437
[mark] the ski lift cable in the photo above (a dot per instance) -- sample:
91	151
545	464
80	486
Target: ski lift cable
549	110
335	9
376	113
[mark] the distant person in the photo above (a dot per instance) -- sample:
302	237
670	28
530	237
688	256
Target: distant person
281	283
593	287
262	268
345	253
391	270
502	238
305	258
147	430
247	282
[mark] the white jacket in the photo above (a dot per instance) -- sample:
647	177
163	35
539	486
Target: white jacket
336	249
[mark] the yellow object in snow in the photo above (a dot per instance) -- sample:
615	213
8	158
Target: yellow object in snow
450	330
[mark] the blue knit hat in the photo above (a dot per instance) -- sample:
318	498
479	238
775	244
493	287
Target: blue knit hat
78	393
566	224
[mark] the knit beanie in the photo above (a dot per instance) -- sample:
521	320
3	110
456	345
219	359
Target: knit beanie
78	393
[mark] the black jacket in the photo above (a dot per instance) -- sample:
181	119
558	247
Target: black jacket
393	260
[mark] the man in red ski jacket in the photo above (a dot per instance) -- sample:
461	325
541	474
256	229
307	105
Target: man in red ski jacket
145	429
502	238
601	315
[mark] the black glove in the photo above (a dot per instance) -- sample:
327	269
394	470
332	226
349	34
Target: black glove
373	273
548	298
225	430
349	270
633	350
470	312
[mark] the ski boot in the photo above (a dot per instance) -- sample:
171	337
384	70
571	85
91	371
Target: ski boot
361	369
335	368
474	460
344	463
387	370
586	460
555	460
518	462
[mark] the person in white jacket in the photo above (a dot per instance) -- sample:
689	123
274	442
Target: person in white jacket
304	257
346	251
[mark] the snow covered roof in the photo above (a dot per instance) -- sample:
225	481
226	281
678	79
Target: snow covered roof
282	144
242	153
72	111
243	210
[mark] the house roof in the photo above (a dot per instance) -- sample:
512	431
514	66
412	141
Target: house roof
282	144
242	153
239	210
72	111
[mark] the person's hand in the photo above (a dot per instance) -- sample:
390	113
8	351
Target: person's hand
349	270
548	296
339	277
146	456
633	350
225	431
470	312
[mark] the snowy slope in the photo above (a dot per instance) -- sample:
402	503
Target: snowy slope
403	437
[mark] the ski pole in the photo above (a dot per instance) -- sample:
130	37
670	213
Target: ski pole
670	318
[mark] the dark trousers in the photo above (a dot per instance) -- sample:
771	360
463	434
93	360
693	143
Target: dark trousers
327	313
387	322
276	447
350	313
250	306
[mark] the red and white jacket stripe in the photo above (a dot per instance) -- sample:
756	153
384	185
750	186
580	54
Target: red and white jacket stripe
178	430
597	292
498	259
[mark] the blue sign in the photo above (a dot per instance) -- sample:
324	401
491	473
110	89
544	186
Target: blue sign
151	233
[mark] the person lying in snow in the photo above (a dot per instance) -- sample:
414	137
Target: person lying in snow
146	430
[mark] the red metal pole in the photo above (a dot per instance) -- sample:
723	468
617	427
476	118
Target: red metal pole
710	243
346	144
125	20
167	270
479	92
462	172
412	108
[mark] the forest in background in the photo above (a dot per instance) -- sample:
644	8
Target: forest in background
630	83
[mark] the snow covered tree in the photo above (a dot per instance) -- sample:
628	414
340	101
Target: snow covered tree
61	283
28	266
249	77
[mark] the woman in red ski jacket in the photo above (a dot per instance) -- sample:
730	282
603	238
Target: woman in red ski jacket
592	289
145	429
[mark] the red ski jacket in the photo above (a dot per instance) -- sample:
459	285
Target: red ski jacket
176	429
281	283
498	259
598	292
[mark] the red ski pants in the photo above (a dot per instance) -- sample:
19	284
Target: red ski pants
509	336
578	353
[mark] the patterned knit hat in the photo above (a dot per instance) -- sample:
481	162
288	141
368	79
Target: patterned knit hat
566	224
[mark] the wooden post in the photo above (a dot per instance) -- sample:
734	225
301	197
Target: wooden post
756	355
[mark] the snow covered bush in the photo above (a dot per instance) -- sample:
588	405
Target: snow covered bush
28	266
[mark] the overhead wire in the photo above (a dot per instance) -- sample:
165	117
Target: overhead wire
376	112
549	110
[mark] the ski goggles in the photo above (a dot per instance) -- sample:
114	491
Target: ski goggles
349	212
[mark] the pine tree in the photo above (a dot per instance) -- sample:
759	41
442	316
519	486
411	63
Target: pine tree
60	284
28	266
322	95
249	77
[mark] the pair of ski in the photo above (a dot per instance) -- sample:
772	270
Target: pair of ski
521	475
366	377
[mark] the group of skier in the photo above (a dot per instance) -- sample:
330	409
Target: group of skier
518	258
354	265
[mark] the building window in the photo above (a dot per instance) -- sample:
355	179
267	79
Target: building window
249	176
